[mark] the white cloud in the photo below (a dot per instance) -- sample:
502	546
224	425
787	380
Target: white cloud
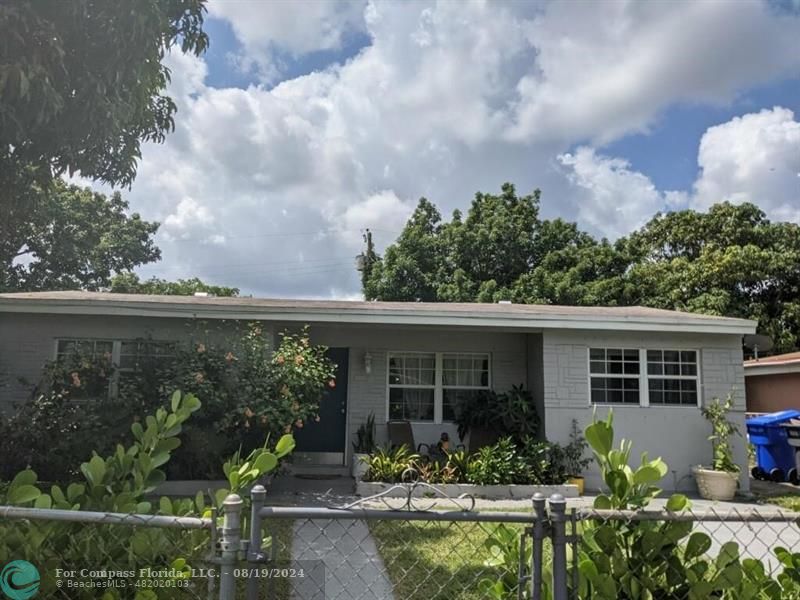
448	98
604	69
297	28
753	158
612	199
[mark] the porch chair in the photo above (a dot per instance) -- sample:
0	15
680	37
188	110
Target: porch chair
401	433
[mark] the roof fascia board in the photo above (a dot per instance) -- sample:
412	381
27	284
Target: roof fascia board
767	369
388	317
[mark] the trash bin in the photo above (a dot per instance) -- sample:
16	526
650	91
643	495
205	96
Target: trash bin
774	456
792	429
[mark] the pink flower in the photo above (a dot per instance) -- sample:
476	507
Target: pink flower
201	348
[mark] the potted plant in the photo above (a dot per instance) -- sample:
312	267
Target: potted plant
363	447
574	457
719	481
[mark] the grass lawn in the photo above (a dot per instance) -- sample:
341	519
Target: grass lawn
278	588
779	495
437	560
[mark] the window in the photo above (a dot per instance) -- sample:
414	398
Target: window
134	354
86	380
614	375
429	386
672	377
129	357
137	356
87	348
412	386
463	376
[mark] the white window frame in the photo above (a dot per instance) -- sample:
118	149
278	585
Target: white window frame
695	377
116	350
607	375
644	386
438	386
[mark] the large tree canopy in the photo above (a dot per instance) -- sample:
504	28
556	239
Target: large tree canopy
81	84
73	238
728	261
129	283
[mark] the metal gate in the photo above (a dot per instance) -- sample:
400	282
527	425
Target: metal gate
429	546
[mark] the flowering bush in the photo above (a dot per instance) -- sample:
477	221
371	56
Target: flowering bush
249	390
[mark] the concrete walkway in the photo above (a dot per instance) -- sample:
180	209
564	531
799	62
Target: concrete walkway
340	558
354	570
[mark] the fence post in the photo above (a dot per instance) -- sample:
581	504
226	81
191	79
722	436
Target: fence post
229	545
558	519
258	496
539	520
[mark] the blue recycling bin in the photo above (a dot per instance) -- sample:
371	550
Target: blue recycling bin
774	455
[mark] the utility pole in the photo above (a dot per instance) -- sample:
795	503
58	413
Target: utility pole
366	260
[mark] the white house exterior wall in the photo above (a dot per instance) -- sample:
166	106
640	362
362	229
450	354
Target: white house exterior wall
676	433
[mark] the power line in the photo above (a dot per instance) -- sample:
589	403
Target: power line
282	234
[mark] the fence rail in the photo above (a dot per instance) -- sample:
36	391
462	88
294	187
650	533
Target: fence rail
366	552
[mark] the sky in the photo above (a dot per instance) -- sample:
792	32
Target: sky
308	121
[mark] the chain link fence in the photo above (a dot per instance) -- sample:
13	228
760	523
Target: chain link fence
364	552
76	555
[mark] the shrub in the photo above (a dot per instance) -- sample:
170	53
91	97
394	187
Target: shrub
722	430
388	465
249	392
512	413
494	465
365	436
629	560
121	482
574	459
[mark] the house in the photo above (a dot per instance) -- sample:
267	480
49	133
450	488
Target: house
773	383
655	368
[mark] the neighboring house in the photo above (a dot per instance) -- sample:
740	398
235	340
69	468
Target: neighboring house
773	383
655	368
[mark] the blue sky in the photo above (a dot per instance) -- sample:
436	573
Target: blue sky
307	122
668	153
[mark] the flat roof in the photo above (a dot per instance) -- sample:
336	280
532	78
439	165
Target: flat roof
506	315
777	364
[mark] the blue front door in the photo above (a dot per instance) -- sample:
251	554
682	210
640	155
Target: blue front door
323	442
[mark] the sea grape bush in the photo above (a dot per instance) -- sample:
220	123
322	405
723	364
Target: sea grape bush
634	560
123	482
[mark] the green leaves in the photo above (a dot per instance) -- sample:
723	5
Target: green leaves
600	435
23	494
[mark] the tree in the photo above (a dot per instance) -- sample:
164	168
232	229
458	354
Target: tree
81	84
129	283
730	261
74	238
480	258
81	87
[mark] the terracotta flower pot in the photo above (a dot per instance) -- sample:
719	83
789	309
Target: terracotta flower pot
715	485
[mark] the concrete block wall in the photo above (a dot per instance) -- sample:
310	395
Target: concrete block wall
28	341
367	392
676	433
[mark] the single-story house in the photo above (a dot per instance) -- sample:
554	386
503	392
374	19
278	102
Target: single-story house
772	383
403	360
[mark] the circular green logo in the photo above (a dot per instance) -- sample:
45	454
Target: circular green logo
19	580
